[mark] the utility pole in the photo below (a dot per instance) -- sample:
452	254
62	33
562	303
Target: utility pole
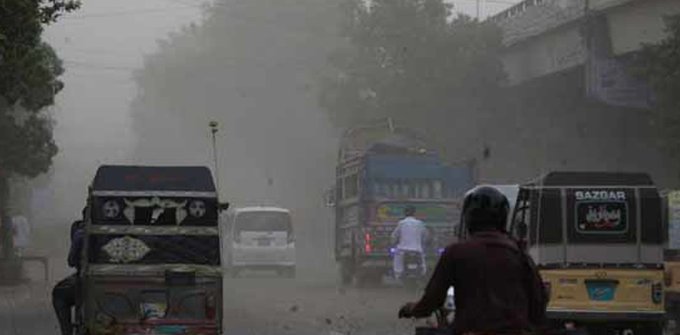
589	47
214	128
478	9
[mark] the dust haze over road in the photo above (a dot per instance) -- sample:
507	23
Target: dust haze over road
131	100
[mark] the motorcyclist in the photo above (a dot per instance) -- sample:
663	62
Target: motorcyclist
498	288
63	294
408	236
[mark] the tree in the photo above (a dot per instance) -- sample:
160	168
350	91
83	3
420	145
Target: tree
409	60
660	64
29	69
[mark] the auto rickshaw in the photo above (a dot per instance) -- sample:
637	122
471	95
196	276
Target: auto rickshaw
151	262
598	239
671	202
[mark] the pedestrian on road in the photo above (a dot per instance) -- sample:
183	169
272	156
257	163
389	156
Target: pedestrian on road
64	293
21	232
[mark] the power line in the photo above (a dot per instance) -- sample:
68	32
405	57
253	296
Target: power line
186	5
129	12
499	2
99	66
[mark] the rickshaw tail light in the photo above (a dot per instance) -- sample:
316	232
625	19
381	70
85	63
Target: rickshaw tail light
657	293
368	247
547	286
210	307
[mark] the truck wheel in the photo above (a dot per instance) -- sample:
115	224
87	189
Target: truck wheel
368	279
288	272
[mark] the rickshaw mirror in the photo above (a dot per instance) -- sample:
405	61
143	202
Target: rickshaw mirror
521	230
329	198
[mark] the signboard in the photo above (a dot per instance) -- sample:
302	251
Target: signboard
427	212
674	220
601	212
608	79
601	217
611	83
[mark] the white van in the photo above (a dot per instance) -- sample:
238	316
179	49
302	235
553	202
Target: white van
261	238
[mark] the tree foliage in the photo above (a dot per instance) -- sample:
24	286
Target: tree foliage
660	64
410	60
29	69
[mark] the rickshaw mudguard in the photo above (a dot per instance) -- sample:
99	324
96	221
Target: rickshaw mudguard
130	283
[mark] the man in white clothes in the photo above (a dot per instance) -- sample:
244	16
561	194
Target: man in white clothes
21	231
409	235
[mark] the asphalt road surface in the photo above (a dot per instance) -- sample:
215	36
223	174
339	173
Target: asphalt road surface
261	305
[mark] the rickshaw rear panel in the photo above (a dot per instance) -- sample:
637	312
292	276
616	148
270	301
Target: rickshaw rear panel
151	264
598	240
619	291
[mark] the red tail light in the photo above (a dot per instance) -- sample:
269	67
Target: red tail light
368	247
210	307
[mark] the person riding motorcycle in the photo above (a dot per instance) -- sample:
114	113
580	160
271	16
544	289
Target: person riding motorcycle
498	287
408	236
64	293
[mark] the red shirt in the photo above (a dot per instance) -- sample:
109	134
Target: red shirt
498	288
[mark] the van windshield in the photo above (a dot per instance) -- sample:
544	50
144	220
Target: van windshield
263	221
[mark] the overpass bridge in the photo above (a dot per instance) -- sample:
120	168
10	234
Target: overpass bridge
546	37
570	103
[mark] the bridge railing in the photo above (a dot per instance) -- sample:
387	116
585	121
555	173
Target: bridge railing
533	17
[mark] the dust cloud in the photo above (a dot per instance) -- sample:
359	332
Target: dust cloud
252	66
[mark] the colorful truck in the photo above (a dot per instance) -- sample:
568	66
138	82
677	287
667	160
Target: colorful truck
382	169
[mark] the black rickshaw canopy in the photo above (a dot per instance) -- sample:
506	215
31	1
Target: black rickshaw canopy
591	218
153	178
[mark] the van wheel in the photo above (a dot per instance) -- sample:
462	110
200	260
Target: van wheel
346	273
287	272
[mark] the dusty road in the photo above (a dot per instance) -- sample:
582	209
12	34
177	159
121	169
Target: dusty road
253	306
268	306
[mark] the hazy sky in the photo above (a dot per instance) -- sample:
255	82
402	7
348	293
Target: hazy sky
101	45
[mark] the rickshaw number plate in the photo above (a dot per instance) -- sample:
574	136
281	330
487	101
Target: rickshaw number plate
601	291
153	310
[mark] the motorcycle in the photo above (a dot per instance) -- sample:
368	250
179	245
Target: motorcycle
414	269
444	321
444	317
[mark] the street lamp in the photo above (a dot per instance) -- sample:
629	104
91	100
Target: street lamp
213	130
